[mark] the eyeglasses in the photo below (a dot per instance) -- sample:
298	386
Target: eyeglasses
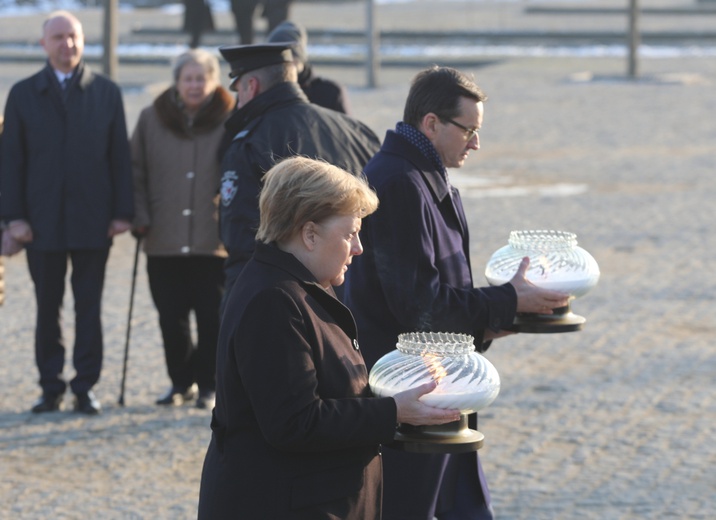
469	132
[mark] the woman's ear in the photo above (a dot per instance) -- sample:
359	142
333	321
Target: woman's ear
308	235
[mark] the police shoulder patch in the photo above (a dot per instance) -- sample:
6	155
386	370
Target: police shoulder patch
228	187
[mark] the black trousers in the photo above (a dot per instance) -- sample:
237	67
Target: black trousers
179	285
243	11
275	12
455	489
48	270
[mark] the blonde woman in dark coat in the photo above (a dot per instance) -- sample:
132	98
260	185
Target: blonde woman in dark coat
296	432
176	178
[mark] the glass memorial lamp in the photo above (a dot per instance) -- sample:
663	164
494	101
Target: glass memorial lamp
466	381
556	262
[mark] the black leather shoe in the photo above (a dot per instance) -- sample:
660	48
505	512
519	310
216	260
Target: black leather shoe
177	396
48	403
87	403
206	399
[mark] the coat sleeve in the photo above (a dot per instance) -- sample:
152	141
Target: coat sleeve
138	146
281	367
120	163
242	171
13	164
403	233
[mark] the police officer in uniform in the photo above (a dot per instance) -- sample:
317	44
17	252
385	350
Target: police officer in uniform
275	120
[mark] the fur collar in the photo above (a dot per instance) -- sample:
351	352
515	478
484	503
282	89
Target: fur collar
211	115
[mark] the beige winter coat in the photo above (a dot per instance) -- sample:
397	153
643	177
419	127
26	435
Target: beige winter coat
176	176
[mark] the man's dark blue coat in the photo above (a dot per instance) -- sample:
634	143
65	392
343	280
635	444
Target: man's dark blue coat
65	163
414	275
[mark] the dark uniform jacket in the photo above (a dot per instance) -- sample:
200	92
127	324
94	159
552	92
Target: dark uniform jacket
414	275
277	124
65	163
295	432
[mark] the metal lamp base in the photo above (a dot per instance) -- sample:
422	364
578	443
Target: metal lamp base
563	320
454	437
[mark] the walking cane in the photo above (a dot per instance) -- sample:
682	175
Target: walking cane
129	322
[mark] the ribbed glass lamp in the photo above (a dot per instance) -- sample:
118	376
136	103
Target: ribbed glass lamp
556	262
467	381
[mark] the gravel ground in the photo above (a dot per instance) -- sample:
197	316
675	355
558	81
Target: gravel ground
615	421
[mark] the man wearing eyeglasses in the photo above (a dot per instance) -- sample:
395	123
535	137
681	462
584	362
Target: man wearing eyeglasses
414	275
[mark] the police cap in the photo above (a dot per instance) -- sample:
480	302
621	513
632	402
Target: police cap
245	58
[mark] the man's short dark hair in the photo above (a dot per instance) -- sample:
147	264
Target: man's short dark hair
438	90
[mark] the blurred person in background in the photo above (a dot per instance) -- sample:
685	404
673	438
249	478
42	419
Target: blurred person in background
2	237
321	91
197	20
8	245
275	12
176	178
66	189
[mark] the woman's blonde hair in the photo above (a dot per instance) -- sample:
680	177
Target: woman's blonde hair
300	190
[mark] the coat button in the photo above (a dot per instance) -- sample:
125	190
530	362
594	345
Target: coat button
190	175
355	344
185	249
186	212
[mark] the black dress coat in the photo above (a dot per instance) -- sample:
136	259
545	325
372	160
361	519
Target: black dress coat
277	124
415	275
295	432
415	272
65	162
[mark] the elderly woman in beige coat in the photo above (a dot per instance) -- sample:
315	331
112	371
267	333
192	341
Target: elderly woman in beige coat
176	178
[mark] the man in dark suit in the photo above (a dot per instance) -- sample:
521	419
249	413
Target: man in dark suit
66	191
415	275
